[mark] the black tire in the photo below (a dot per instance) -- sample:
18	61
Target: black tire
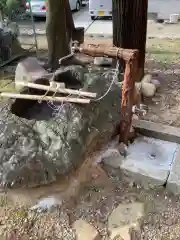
35	18
5	53
92	17
39	19
78	6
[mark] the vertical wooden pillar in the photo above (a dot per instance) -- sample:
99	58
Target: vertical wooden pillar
127	101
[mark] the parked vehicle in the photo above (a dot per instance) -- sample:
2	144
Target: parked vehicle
39	7
100	8
84	2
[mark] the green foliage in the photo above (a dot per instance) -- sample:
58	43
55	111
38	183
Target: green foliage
12	7
3	5
9	7
11	4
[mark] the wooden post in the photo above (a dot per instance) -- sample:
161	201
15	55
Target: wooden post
130	57
102	50
127	101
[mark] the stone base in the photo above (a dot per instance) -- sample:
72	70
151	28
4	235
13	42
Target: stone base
148	162
42	141
173	182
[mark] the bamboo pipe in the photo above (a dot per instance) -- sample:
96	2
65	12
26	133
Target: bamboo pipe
44	98
101	50
59	90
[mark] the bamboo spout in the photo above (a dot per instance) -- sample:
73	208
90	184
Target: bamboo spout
101	50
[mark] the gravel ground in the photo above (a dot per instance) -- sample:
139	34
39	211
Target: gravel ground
161	218
94	203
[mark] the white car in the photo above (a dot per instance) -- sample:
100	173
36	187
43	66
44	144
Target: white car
84	2
39	7
100	8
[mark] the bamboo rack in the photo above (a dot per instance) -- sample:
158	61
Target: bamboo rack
44	98
58	90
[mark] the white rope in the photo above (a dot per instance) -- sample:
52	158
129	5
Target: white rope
113	71
111	84
58	109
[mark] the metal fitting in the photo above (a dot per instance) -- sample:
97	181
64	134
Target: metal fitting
141	111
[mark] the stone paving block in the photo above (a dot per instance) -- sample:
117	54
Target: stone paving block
85	231
173	182
148	162
123	218
157	130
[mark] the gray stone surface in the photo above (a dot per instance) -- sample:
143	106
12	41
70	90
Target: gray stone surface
146	168
28	70
47	204
85	230
112	158
41	144
125	214
123	218
173	182
148	162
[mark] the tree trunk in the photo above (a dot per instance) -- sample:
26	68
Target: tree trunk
1	19
130	28
69	19
58	31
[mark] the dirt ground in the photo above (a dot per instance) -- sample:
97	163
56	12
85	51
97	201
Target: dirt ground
92	198
95	195
163	61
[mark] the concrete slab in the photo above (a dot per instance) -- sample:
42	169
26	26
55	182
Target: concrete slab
157	130
100	29
148	162
103	29
173	182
